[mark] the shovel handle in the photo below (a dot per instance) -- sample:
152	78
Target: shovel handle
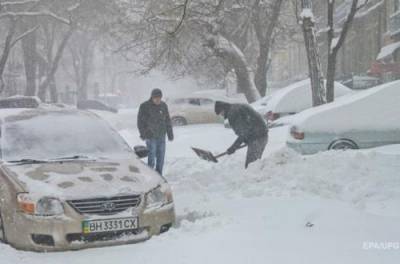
226	152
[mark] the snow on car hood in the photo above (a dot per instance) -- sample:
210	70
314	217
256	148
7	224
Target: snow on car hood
85	179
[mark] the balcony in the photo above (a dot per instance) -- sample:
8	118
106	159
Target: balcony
394	25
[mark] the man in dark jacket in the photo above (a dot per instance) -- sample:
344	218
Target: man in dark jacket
248	125
154	124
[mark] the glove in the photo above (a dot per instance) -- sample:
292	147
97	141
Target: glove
171	138
231	150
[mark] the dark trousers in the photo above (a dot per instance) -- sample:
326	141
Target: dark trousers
255	149
156	147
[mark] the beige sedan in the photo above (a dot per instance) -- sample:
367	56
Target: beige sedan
68	181
192	110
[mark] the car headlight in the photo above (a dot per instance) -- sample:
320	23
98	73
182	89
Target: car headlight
158	197
45	206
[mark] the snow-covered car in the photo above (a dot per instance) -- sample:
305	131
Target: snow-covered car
196	109
291	100
69	181
367	119
125	118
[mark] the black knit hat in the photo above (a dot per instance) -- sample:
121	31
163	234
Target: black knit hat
156	93
222	106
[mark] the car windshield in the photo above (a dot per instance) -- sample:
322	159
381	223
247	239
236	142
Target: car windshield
58	135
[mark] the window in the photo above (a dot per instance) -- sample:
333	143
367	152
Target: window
180	101
204	101
194	101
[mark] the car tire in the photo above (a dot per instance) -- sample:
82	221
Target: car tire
178	121
343	144
2	232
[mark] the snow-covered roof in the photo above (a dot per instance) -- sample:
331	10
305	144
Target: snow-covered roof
388	50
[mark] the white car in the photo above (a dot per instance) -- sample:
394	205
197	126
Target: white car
291	100
367	119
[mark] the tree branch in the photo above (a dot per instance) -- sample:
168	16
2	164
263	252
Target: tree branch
177	28
347	25
19	3
35	14
23	35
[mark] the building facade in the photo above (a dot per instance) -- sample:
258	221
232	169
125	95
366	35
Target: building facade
372	46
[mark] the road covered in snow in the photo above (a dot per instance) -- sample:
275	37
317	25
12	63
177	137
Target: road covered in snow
333	207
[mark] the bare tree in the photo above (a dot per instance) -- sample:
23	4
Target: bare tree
212	38
264	29
12	12
335	43
314	65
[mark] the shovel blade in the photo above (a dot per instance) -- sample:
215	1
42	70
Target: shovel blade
205	155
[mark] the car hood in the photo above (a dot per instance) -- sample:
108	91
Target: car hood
85	179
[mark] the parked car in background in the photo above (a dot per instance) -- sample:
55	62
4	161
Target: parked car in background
367	119
113	100
291	100
361	82
198	108
69	181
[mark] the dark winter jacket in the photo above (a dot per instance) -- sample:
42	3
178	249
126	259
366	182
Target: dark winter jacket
247	124
154	121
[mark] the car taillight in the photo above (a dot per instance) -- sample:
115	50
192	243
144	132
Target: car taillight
296	134
272	116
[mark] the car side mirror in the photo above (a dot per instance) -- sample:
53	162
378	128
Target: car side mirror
141	151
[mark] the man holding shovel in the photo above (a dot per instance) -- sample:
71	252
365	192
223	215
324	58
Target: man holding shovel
248	125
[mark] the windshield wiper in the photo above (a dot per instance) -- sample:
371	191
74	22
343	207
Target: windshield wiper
28	161
74	157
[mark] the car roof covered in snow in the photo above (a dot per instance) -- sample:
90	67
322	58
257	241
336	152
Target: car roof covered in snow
374	109
297	97
10	113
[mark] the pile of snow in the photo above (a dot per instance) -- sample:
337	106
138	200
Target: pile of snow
375	109
324	208
368	181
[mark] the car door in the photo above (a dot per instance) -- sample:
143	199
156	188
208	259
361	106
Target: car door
195	111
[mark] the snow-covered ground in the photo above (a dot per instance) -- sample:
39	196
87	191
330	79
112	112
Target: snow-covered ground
336	207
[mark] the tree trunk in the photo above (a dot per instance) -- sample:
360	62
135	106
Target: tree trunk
6	52
314	64
333	48
53	69
265	39
53	90
260	78
234	58
330	78
87	57
30	63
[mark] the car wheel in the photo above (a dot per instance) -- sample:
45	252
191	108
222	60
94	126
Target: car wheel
178	121
2	232
343	144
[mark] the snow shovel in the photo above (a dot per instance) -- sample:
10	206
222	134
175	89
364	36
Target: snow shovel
209	156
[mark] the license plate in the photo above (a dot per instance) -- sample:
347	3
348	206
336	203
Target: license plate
110	225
